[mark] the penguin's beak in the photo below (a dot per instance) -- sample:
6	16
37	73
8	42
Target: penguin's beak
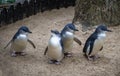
52	31
29	32
108	30
76	30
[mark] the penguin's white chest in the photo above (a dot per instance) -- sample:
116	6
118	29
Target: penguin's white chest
54	41
68	35
101	36
55	49
99	42
21	39
68	41
20	43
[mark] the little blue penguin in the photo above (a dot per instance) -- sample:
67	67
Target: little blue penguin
19	41
54	50
68	37
95	42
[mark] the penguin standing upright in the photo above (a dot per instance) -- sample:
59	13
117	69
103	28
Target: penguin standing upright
68	37
54	50
95	42
19	41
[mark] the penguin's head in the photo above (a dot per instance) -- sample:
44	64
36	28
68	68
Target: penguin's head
102	28
55	33
24	29
71	27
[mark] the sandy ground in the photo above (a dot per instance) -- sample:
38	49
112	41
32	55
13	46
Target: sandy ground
35	63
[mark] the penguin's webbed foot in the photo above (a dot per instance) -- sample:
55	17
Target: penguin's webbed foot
68	54
23	54
93	57
51	61
90	58
14	54
96	57
54	62
57	62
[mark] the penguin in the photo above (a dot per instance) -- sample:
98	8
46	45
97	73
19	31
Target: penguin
19	41
95	42
54	50
68	37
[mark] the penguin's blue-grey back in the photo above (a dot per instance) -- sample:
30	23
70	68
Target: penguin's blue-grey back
90	42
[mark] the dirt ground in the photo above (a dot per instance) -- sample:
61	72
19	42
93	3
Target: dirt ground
35	63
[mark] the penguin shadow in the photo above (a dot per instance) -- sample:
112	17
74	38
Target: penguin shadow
74	59
78	58
100	61
27	57
62	62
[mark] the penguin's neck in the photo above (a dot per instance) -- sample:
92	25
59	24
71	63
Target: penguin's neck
69	34
22	36
54	40
101	35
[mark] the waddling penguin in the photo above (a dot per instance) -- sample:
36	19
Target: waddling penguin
95	42
54	50
68	37
19	41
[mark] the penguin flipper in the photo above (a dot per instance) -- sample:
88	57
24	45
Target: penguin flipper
46	50
8	44
77	40
14	37
32	43
101	48
86	47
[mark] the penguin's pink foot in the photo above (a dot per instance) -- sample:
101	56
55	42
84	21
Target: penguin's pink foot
13	54
54	62
90	58
57	62
23	54
68	54
93	57
96	57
